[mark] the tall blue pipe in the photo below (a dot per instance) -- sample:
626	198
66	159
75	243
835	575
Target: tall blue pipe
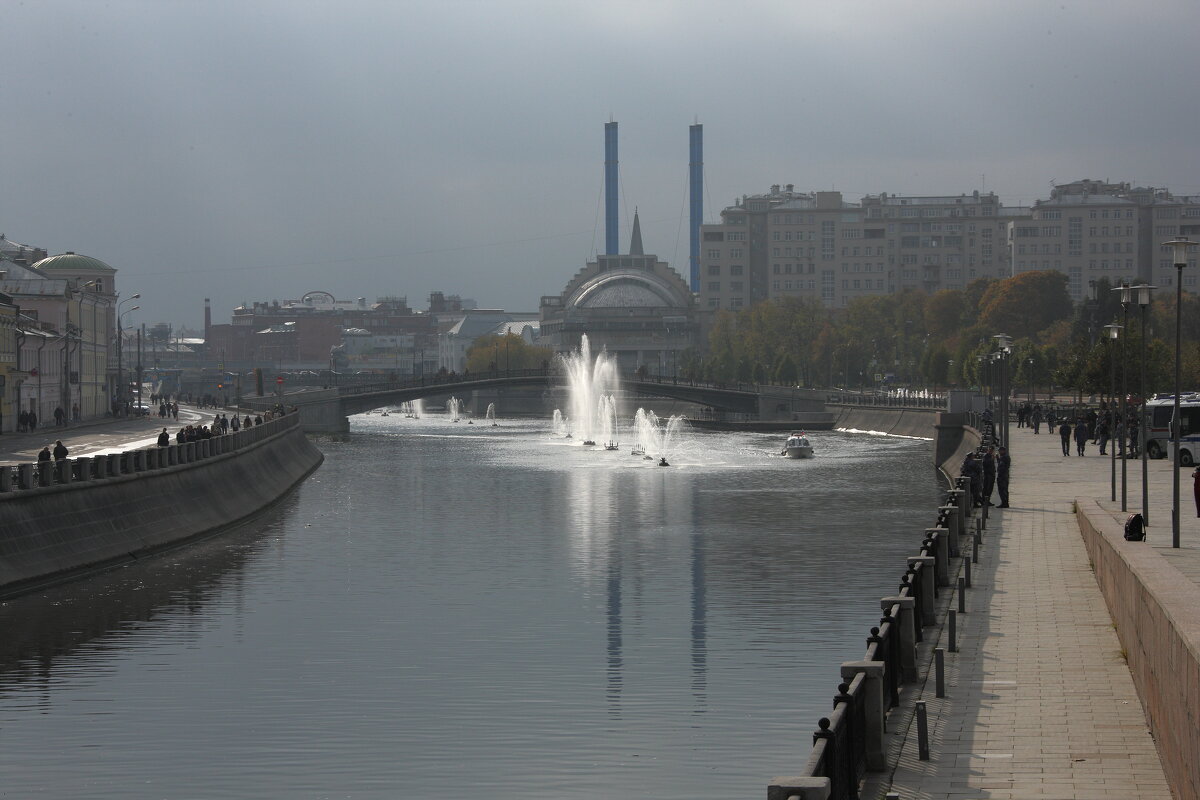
696	183
611	245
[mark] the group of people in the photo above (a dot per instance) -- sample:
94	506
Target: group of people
988	473
220	425
59	453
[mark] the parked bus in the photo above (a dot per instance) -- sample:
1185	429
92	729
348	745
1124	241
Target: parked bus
1158	431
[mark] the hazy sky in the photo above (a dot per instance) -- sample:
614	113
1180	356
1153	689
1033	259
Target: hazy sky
258	150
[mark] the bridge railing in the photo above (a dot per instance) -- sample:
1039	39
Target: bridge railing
850	741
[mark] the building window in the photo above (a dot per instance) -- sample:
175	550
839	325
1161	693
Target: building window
714	269
714	253
736	269
714	286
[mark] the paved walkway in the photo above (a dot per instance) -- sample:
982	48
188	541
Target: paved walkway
97	436
1040	702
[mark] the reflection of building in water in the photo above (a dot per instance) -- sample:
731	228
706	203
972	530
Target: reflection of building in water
620	517
633	305
67	622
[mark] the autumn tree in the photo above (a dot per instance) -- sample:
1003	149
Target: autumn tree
508	352
1026	304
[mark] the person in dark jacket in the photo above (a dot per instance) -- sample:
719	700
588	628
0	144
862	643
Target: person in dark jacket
989	475
1003	465
164	438
60	451
1064	433
971	469
45	454
1082	434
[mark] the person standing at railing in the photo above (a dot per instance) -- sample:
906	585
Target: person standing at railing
1003	465
989	475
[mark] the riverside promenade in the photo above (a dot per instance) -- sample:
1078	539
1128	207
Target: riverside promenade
1040	701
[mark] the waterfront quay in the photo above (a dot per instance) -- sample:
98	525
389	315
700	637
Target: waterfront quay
1040	698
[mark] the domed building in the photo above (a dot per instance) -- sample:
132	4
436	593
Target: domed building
633	305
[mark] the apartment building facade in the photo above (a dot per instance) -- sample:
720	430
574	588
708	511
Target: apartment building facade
817	245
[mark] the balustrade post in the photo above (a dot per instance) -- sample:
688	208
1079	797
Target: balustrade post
874	709
25	476
6	478
62	471
83	468
926	576
907	630
45	472
954	525
803	787
941	553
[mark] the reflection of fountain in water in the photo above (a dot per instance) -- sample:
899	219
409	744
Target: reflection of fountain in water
560	425
453	408
491	414
606	421
589	382
418	408
656	436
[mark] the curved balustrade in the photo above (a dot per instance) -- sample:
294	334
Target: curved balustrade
17	478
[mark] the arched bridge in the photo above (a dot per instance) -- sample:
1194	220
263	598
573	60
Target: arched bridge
326	408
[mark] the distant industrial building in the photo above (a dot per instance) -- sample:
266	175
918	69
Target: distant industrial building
632	304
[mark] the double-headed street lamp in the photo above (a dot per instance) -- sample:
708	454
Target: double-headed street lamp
1112	332
1179	251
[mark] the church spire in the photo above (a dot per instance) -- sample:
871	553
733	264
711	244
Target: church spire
635	244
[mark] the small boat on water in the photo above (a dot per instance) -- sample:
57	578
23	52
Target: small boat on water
797	446
638	450
611	446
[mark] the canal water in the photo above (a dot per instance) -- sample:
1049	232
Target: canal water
462	610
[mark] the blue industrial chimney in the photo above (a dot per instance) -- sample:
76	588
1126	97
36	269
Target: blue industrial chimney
696	184
611	246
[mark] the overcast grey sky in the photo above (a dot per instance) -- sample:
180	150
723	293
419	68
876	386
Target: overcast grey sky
257	150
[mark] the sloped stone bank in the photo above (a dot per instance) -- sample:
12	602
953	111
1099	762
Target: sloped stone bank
90	513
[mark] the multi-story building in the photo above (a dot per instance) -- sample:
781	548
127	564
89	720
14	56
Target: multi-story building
1091	230
790	244
67	302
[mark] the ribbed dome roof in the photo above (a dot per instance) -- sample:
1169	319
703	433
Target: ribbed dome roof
73	262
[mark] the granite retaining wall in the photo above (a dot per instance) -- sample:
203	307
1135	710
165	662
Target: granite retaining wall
82	514
1149	601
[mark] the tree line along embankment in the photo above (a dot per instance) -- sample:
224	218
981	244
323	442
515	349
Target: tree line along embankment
59	520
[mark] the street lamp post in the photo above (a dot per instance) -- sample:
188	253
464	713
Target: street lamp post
1126	298
1142	291
121	345
1179	249
1005	343
1112	332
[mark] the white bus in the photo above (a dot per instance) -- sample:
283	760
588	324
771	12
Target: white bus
1158	431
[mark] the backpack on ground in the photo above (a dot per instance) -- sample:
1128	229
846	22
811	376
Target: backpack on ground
1135	528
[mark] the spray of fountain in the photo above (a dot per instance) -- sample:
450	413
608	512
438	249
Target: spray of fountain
453	408
491	414
657	437
560	425
590	380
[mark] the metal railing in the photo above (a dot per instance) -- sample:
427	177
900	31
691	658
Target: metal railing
849	742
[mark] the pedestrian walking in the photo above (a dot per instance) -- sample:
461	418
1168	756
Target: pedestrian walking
1064	433
1081	437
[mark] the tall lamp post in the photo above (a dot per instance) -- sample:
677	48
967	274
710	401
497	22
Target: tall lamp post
1179	250
1112	332
1142	293
1005	343
1126	298
121	344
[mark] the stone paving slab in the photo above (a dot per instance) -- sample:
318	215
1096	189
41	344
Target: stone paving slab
1040	702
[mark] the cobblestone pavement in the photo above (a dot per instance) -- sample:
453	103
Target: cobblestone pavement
1039	701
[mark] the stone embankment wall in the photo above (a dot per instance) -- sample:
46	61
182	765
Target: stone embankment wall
80	514
1149	601
896	421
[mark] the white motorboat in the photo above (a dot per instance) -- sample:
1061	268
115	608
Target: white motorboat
797	446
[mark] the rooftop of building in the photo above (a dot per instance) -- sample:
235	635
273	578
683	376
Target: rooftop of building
73	262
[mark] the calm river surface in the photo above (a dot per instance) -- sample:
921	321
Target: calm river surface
460	610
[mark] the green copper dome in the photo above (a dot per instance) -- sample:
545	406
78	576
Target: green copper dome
73	262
